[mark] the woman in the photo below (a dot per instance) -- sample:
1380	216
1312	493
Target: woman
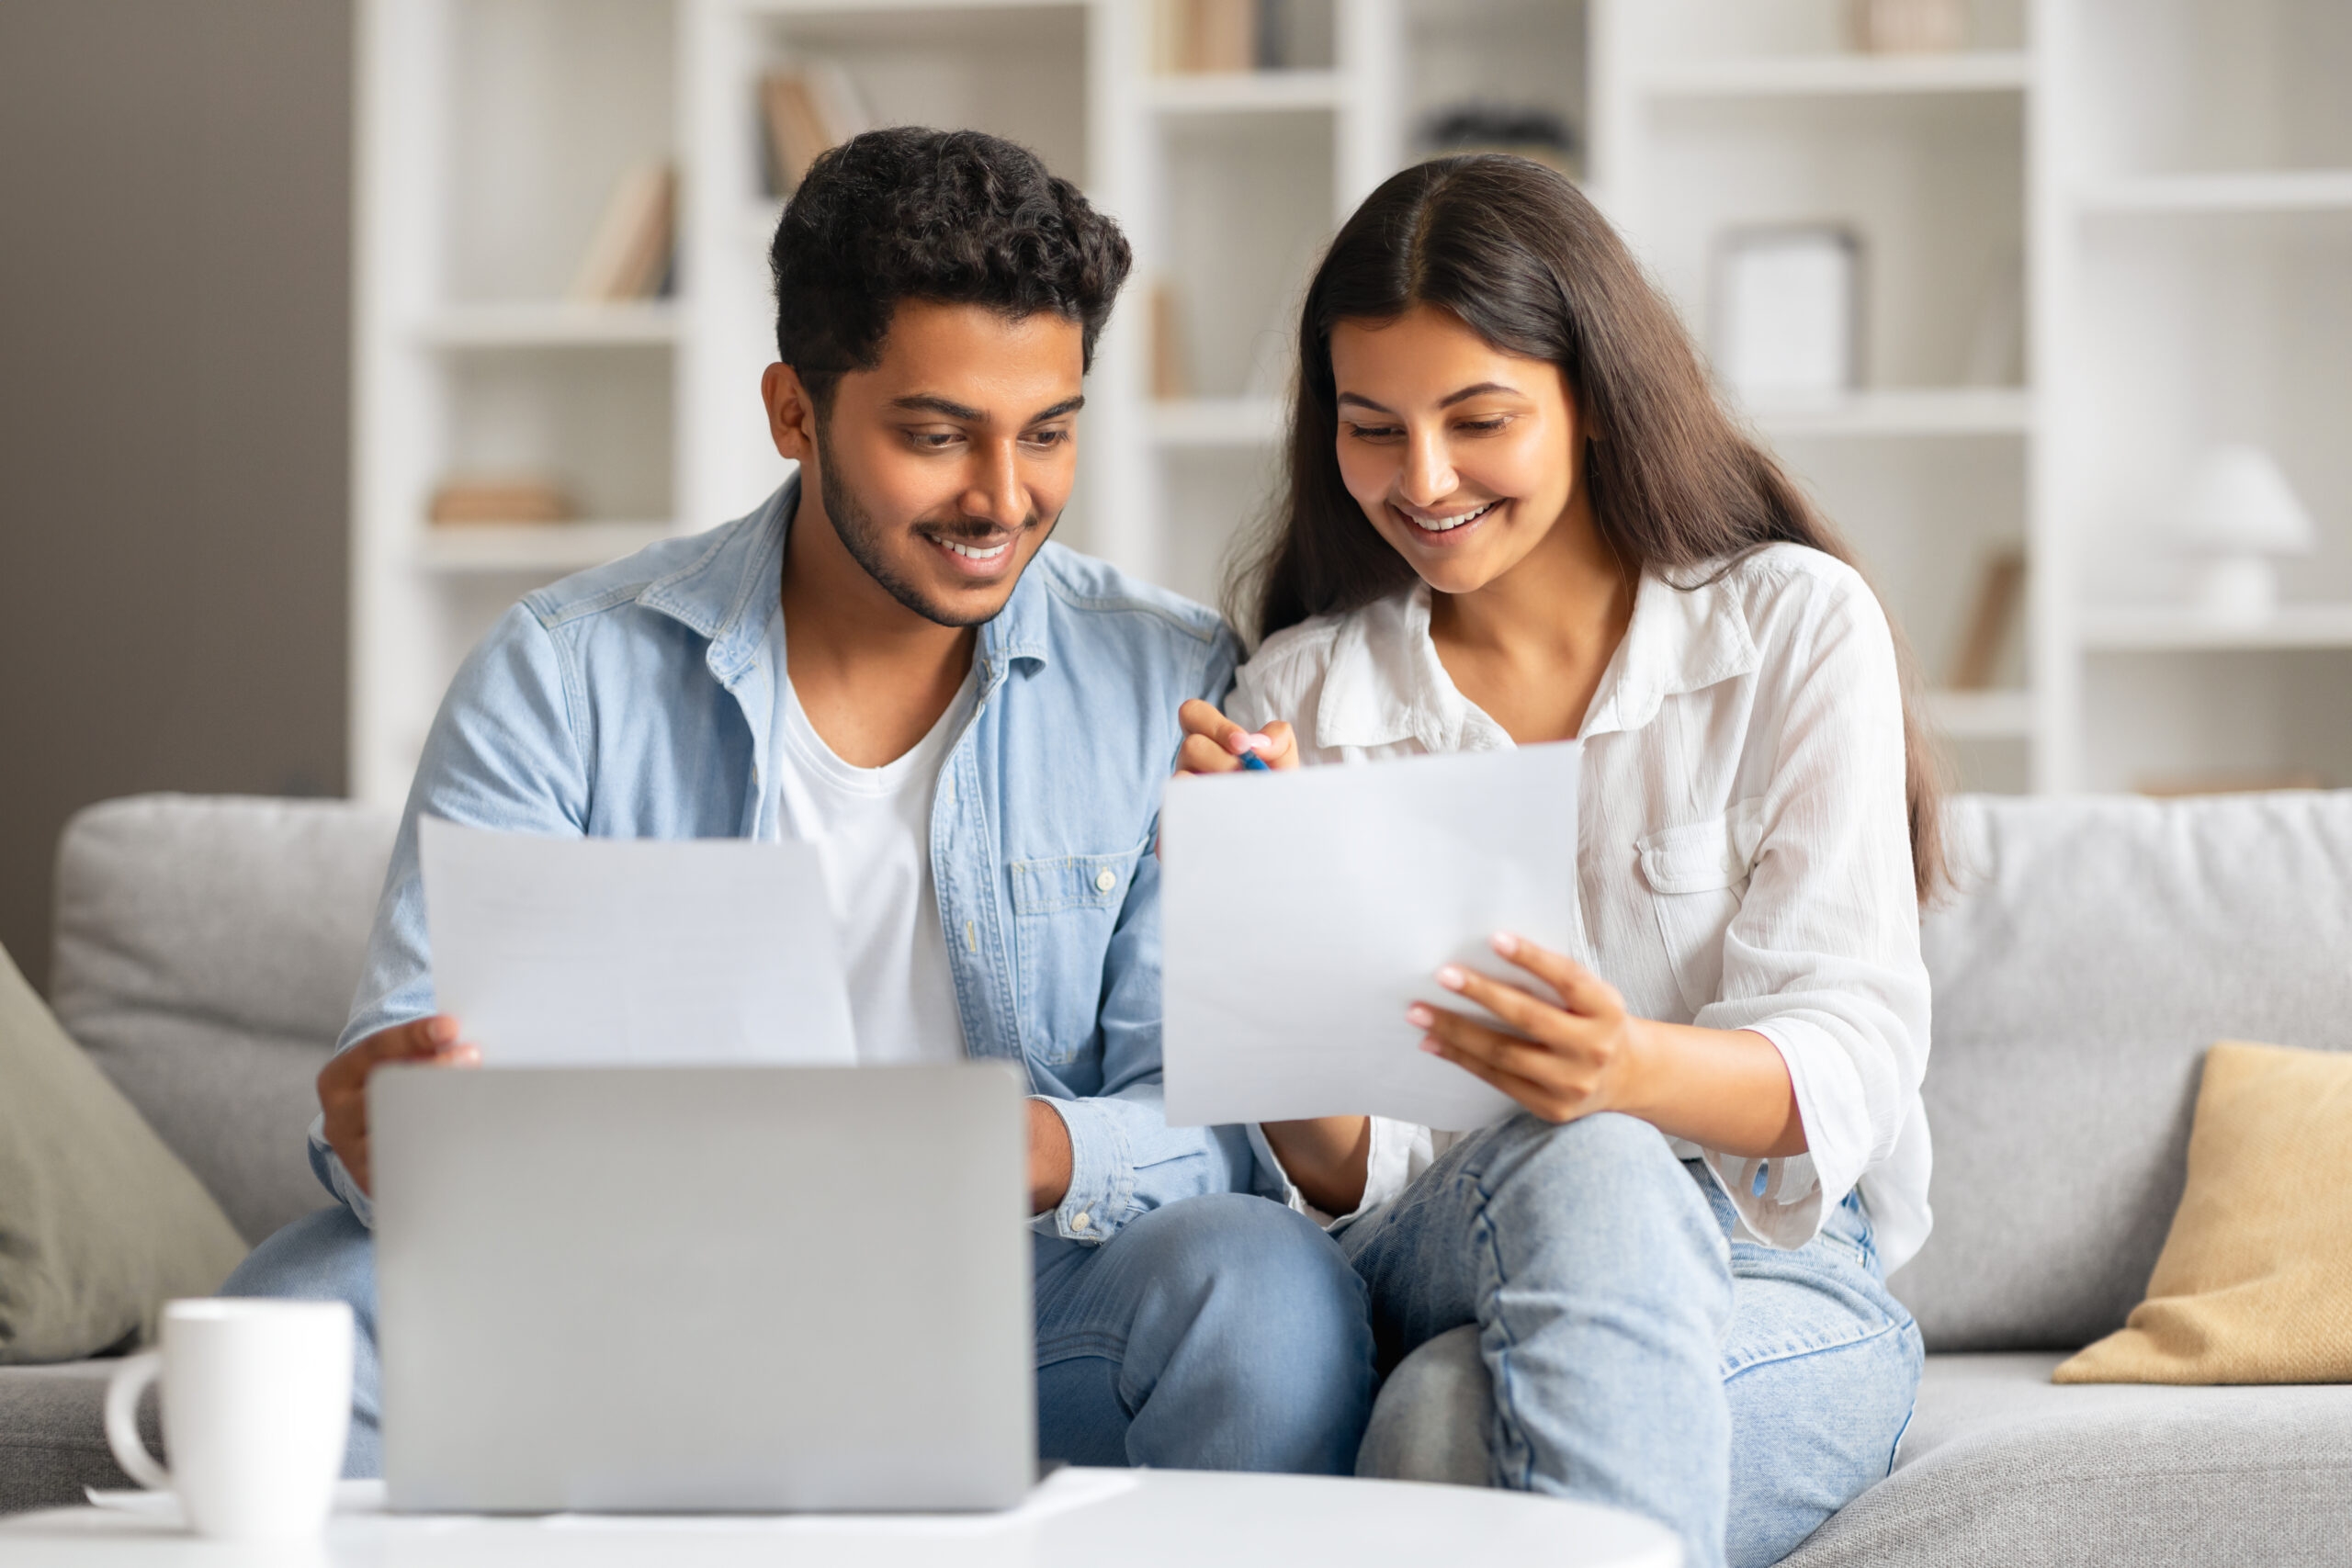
1516	513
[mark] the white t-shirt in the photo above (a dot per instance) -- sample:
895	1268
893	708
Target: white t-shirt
872	826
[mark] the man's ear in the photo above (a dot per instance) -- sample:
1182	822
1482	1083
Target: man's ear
792	413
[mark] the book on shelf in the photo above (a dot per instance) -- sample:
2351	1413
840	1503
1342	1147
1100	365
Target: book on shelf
521	498
1211	37
805	111
1990	620
1171	367
629	256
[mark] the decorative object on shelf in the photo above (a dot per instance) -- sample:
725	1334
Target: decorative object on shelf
1908	26
514	499
1536	133
1990	621
1788	310
1211	37
628	257
805	111
2239	511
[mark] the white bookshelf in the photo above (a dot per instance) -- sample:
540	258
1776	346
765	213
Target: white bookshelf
2168	183
2173	180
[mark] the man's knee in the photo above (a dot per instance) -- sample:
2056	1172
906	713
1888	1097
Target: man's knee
1257	1251
324	1255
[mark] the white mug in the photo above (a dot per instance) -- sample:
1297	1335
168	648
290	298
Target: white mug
256	1410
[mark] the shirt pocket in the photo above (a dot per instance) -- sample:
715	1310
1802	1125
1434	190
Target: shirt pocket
1064	910
1697	873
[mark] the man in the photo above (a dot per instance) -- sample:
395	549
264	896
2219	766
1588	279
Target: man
888	659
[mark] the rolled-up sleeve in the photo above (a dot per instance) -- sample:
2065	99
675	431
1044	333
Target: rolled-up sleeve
1823	957
503	752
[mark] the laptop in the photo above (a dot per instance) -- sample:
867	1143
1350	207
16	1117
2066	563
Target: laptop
704	1289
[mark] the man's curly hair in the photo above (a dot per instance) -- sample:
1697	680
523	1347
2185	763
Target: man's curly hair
955	215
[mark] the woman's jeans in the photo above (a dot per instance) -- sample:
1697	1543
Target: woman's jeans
1224	1332
1636	1355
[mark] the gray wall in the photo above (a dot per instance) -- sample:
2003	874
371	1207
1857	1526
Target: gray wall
174	295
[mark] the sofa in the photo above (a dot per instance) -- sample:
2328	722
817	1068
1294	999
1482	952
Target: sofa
2090	951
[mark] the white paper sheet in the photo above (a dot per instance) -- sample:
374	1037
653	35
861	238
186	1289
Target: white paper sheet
620	951
1303	911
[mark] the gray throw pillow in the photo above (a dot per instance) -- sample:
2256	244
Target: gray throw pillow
99	1223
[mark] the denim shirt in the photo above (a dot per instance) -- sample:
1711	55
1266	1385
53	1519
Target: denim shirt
638	700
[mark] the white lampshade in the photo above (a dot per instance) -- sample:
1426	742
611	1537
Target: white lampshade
2239	503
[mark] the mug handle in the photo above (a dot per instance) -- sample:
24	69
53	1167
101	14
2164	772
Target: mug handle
130	1381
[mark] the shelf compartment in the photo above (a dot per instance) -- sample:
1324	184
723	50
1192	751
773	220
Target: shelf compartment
2254	193
1247	92
1842	75
1219	422
551	324
531	548
1903	411
2166	628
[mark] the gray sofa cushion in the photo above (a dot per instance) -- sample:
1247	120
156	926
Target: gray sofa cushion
2096	948
52	1434
207	949
2002	1466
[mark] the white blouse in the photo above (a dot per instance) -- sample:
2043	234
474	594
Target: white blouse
1743	858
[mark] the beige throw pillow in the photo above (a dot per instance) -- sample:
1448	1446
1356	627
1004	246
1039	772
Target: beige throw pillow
2254	1282
99	1223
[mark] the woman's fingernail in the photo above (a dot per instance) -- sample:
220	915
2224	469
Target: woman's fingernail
1433	1048
441	1031
1505	944
1418	1016
1452	978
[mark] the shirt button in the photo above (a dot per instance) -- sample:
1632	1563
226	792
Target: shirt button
1105	880
1081	1220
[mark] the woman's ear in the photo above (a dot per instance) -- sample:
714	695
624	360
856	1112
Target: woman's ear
792	413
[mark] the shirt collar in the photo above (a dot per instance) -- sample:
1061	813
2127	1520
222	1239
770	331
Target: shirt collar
1386	683
728	595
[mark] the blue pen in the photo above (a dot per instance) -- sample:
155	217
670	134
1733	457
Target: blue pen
1253	763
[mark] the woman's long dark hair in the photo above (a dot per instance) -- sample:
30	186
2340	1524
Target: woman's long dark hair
1528	264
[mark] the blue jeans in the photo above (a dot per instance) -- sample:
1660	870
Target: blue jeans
1221	1333
1636	1354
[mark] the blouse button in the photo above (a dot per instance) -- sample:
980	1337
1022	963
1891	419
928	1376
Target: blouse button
1105	880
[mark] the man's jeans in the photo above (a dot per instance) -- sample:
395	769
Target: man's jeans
1223	1332
1636	1355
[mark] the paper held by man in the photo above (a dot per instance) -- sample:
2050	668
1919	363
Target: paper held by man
634	952
1306	910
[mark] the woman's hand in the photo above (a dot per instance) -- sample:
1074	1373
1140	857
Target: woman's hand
1725	1089
1215	744
1566	1059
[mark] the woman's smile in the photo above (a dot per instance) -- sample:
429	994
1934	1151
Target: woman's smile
1451	527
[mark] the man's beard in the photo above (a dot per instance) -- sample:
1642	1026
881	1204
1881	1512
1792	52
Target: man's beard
862	537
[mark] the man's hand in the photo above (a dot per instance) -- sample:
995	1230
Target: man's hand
1049	1157
343	1082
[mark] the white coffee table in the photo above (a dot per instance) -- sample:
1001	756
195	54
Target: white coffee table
1165	1519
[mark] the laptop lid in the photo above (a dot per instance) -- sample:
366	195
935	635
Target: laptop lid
653	1288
